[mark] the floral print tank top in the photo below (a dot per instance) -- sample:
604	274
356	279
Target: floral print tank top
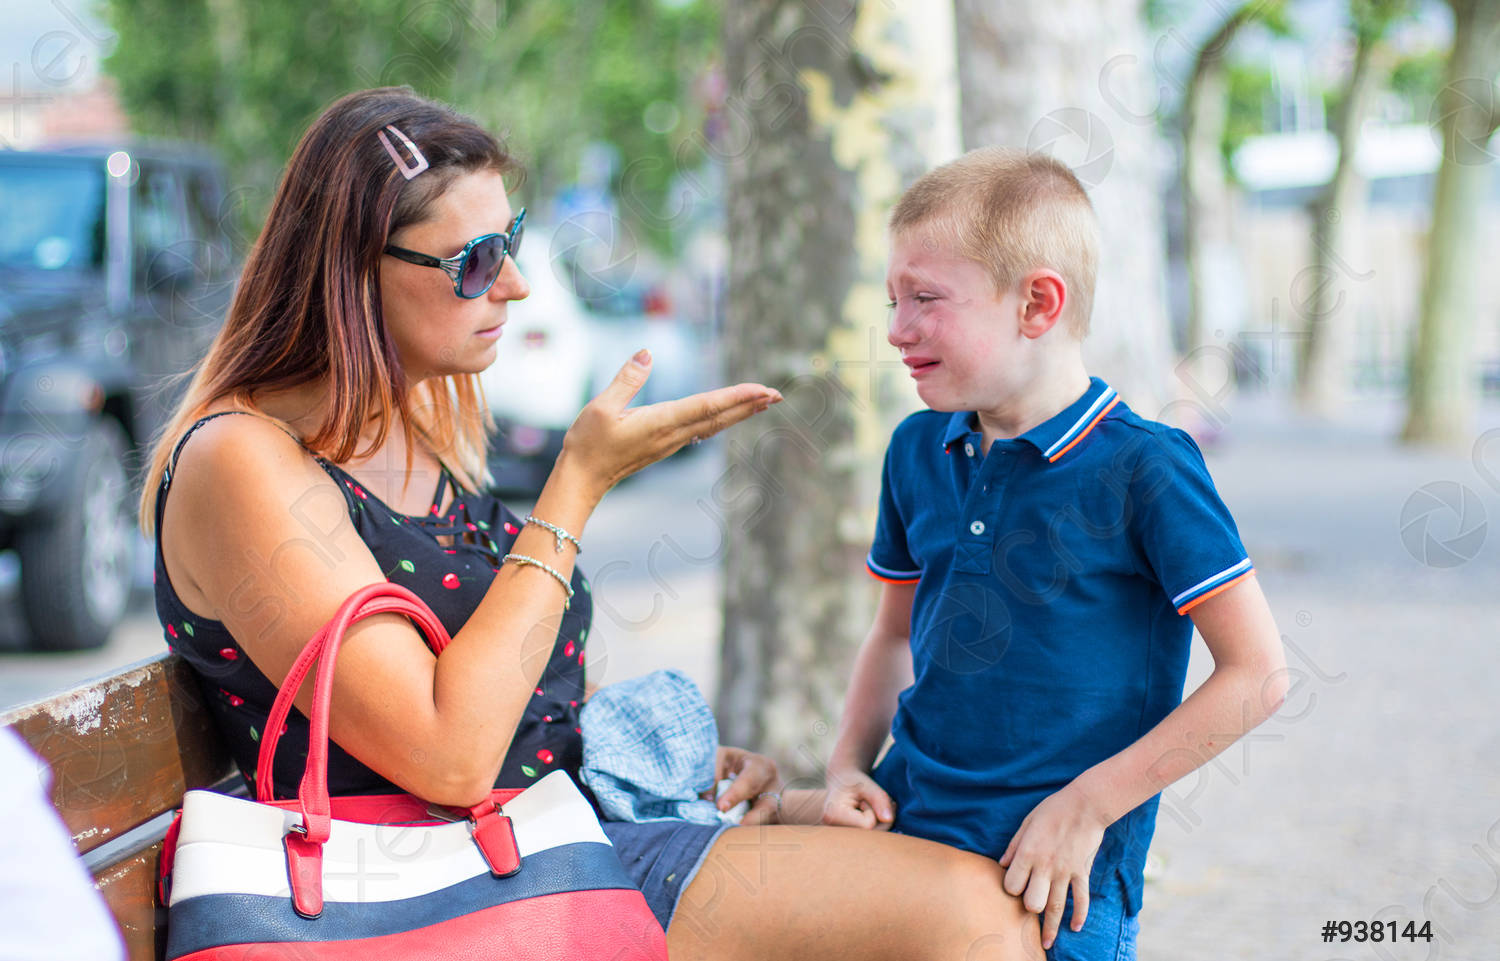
451	580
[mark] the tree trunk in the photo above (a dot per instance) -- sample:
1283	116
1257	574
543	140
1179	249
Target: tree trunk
1205	194
1069	77
1442	389
1337	216
834	107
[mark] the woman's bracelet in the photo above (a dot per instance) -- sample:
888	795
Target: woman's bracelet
777	796
525	561
556	532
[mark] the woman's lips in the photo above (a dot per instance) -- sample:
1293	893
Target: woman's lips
491	331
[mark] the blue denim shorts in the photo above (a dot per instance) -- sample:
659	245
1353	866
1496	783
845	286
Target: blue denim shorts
1108	934
662	857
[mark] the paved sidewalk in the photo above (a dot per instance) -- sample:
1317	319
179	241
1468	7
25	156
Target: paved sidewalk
1374	793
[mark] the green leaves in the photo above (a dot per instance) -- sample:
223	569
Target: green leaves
247	76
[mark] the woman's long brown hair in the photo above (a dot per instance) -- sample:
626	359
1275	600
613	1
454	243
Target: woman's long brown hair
308	302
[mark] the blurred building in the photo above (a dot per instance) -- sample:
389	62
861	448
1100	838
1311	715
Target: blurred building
52	114
1379	278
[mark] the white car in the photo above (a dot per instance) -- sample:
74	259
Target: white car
542	374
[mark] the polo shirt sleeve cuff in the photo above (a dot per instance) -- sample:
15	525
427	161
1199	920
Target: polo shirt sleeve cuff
1210	586
889	575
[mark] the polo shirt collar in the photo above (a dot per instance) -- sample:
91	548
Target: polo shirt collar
1057	435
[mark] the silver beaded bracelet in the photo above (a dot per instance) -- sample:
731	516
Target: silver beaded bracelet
525	561
556	532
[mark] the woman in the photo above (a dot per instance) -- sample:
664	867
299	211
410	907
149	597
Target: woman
351	365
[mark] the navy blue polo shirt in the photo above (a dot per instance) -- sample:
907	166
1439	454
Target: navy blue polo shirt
1048	633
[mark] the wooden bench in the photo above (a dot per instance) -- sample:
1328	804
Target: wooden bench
123	751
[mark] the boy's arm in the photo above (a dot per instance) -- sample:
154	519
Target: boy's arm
882	669
1057	841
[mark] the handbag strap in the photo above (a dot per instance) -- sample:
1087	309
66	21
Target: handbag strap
312	794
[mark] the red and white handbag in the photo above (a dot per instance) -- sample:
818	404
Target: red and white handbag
526	875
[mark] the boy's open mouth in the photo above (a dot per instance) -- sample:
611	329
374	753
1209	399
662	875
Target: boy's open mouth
919	365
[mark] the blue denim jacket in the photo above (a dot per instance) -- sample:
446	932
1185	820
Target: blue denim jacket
649	745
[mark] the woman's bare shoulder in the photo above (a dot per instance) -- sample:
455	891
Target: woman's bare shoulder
248	450
242	487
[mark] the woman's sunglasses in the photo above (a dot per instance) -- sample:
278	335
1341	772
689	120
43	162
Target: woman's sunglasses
475	268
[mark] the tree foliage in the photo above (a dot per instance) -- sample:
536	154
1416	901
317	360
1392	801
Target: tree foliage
1417	78
1250	88
247	76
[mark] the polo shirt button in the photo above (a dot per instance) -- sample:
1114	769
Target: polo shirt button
976	528
969	449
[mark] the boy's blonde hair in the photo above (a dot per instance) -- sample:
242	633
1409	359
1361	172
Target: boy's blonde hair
1012	212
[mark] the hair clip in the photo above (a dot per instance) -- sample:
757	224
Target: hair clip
406	171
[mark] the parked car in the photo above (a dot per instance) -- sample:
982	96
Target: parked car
628	312
541	377
641	316
115	272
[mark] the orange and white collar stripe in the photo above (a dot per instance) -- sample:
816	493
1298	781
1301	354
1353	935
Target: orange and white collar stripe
1083	425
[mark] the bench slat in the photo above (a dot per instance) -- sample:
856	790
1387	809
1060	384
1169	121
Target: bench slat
125	748
129	888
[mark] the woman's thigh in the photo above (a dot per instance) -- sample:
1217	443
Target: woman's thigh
785	892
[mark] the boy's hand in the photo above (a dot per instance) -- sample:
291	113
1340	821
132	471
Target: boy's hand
1054	847
856	801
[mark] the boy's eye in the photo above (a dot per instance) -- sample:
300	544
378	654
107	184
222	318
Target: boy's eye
891	305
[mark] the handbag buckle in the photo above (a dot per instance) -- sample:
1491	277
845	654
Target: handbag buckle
445	813
496	840
304	869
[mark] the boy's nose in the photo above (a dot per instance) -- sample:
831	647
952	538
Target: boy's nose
900	329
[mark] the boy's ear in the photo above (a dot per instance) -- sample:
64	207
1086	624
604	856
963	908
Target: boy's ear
1044	294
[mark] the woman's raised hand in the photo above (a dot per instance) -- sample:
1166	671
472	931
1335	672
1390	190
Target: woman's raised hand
611	440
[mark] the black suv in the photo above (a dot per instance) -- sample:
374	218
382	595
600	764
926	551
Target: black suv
115	273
